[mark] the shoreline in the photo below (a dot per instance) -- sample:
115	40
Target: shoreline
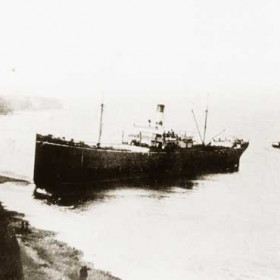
6	179
41	255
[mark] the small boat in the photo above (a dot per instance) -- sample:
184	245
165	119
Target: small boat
276	145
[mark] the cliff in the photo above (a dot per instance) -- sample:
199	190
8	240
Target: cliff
10	260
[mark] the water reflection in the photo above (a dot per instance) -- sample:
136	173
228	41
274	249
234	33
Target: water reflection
77	196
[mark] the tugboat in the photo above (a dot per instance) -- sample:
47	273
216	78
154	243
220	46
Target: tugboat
150	152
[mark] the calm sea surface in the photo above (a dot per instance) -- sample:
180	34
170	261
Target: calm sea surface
217	227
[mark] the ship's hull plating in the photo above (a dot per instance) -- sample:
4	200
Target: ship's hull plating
59	166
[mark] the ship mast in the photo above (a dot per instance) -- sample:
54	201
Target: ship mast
205	124
100	124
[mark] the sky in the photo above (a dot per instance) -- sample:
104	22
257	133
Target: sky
135	54
147	48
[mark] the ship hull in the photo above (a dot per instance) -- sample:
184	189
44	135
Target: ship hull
58	167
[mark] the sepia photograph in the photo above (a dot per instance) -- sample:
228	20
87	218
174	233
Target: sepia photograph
139	140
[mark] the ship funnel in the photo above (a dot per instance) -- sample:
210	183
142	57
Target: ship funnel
159	115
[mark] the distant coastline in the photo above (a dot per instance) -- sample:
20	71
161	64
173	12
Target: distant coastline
10	104
5	106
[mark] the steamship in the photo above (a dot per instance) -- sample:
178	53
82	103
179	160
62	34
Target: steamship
150	152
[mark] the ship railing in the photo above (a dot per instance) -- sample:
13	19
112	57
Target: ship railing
62	141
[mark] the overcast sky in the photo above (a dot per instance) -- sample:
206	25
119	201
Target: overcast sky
147	47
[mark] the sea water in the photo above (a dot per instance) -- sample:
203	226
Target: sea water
215	227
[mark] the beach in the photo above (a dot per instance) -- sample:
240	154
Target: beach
32	254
